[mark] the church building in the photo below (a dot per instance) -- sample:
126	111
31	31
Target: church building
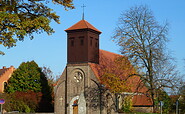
79	89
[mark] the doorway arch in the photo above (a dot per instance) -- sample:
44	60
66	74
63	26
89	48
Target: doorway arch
74	107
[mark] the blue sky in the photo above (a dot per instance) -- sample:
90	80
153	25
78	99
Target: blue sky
51	51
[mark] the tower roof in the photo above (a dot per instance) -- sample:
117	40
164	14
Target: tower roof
83	24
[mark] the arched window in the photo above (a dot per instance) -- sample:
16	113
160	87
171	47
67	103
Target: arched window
5	85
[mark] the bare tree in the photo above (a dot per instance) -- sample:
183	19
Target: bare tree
143	40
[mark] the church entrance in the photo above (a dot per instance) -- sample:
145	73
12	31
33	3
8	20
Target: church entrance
75	107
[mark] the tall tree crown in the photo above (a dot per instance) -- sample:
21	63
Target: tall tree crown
28	77
23	18
140	36
143	40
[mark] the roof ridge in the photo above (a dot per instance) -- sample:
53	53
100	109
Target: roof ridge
86	23
111	52
82	24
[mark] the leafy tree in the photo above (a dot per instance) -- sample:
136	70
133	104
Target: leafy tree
167	102
29	77
22	18
113	73
50	78
182	90
182	104
47	101
127	105
49	75
181	98
142	40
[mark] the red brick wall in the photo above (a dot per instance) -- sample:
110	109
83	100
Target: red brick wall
5	76
83	46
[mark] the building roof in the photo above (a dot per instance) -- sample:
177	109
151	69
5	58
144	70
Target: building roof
83	24
5	71
120	66
141	100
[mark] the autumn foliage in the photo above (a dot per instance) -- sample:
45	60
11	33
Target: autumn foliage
20	19
22	101
114	71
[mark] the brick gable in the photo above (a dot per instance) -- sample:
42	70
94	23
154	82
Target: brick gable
5	74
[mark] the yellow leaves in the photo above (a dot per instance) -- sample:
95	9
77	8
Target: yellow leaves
114	77
21	19
117	73
65	3
127	103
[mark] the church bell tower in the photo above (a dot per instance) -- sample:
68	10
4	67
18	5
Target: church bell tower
82	43
76	81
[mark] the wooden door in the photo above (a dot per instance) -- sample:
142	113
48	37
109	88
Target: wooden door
75	109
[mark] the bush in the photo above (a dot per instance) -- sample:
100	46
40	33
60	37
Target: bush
127	105
22	101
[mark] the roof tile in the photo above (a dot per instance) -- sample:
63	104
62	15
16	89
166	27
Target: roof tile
141	100
107	60
83	24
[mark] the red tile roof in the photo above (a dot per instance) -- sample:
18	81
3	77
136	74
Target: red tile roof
120	66
141	100
109	61
83	24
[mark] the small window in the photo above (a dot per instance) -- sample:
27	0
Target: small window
81	40
5	85
71	41
91	40
96	44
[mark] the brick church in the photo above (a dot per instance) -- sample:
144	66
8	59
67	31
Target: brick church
79	89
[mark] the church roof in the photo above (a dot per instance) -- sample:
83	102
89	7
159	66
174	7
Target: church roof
120	66
83	24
